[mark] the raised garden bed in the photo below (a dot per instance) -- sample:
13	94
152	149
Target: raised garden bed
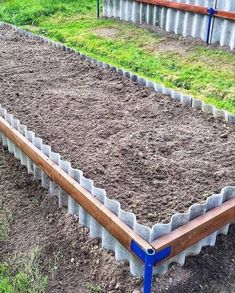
154	156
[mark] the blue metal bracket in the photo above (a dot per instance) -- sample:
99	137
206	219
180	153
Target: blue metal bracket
149	258
211	12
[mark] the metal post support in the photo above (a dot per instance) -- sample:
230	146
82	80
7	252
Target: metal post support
150	258
211	11
98	8
148	270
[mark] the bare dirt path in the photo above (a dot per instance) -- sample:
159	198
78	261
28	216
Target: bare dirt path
154	156
80	261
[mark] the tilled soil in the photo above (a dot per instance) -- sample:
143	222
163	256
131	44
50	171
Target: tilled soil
73	262
153	155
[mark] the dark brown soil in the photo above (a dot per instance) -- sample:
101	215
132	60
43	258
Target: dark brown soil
36	220
153	155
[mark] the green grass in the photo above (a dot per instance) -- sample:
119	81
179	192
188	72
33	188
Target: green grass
25	277
93	288
199	71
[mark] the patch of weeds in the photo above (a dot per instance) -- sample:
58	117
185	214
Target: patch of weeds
93	288
5	279
2	166
59	37
35	201
1	161
179	83
5	220
78	165
54	264
24	277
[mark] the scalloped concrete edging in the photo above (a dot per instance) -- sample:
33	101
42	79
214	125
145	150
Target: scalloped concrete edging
96	230
175	95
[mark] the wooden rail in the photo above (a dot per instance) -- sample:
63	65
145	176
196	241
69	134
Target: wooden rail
96	209
189	8
197	229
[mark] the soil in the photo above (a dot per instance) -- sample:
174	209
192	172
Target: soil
106	32
153	155
65	245
169	46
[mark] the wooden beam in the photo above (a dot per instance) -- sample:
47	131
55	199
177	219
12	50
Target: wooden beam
225	14
176	5
197	229
189	8
96	209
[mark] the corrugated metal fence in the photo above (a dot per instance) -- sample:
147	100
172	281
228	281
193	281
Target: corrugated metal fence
180	22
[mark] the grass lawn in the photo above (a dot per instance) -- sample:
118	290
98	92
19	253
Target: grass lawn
203	72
